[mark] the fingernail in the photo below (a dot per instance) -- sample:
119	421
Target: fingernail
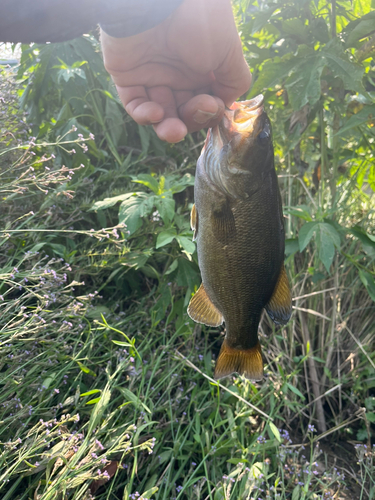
203	116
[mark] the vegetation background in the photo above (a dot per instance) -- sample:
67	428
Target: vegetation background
105	381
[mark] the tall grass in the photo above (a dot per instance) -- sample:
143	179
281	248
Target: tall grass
107	388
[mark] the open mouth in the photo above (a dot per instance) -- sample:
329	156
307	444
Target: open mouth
239	119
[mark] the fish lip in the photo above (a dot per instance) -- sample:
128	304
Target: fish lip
255	104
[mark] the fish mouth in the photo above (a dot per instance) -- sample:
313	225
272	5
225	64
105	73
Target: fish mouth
240	121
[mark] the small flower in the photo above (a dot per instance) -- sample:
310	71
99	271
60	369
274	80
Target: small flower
311	428
99	444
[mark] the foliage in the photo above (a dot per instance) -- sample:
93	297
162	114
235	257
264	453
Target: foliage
106	388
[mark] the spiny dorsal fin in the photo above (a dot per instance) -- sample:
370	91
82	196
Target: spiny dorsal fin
202	310
247	362
194	221
223	223
279	308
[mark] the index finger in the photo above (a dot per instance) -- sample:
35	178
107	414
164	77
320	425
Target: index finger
138	105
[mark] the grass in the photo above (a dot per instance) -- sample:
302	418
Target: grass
102	399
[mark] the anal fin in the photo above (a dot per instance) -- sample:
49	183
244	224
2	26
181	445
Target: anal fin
246	362
202	310
279	308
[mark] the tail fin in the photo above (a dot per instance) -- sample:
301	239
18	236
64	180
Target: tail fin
247	362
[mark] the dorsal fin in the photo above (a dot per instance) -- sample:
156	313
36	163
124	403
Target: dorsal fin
279	308
247	362
202	310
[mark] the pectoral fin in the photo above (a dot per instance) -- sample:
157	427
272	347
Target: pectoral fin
223	223
202	310
279	308
247	362
194	221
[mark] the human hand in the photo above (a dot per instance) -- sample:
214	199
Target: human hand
164	76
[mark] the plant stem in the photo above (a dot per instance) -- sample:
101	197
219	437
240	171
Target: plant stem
322	426
322	158
333	18
289	232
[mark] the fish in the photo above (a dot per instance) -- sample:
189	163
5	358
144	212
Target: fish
237	222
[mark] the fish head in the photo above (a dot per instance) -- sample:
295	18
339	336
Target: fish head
240	144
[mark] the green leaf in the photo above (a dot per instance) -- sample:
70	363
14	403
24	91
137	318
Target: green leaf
260	19
133	208
172	267
93	401
108	202
296	28
181	183
296	493
165	237
68	73
165	205
97	311
295	390
85	369
122	343
187	275
304	84
302	211
275	431
339	64
305	234
329	239
148	181
186	244
319	29
326	253
360	28
360	118
370	417
137	259
148	493
371	177
368	280
291	246
99	409
332	232
273	73
145	136
131	397
89	393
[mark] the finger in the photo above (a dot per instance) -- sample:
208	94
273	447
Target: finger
233	77
138	105
171	128
201	111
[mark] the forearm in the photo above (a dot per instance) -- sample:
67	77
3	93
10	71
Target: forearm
42	21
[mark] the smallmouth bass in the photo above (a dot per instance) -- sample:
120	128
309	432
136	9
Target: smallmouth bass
238	225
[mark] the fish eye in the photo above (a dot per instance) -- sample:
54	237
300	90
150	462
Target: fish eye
263	136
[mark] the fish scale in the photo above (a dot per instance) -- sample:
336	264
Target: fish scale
239	230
